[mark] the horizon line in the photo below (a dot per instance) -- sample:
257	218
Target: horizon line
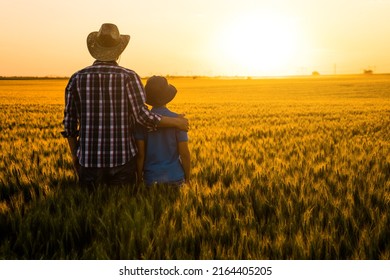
51	77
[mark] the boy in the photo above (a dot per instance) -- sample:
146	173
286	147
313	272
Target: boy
163	156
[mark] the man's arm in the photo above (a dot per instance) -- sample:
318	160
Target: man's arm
185	157
177	122
70	124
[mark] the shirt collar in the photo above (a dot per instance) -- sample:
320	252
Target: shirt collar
98	62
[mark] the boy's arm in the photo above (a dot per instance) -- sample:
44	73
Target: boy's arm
185	157
140	160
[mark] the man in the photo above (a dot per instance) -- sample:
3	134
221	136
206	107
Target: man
103	102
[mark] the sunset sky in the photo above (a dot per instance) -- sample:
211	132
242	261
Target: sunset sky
202	37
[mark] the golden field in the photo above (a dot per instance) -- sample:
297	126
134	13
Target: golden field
283	168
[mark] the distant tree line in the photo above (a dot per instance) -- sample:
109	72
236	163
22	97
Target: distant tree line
31	78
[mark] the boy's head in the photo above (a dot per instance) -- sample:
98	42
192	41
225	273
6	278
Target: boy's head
158	91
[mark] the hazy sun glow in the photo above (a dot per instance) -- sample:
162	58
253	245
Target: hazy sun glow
259	43
208	38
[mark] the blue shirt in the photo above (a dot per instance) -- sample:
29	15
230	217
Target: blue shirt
162	160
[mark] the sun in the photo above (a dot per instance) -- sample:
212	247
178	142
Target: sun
259	44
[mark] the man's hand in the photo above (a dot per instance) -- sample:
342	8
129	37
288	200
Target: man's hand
73	145
179	122
183	123
76	164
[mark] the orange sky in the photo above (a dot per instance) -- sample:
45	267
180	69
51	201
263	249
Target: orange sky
213	37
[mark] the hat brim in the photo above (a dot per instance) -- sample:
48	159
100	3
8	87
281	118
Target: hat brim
157	100
106	53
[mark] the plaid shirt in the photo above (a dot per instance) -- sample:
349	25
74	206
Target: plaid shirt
103	102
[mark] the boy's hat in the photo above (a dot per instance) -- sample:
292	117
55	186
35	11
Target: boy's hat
158	91
107	44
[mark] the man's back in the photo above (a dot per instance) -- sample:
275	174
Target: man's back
107	99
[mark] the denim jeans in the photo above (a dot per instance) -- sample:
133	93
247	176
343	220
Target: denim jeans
91	177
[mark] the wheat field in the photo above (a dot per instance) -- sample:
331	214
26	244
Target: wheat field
283	168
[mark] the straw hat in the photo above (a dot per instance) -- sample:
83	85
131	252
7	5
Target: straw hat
158	91
107	44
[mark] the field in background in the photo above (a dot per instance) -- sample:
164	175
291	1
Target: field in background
282	169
